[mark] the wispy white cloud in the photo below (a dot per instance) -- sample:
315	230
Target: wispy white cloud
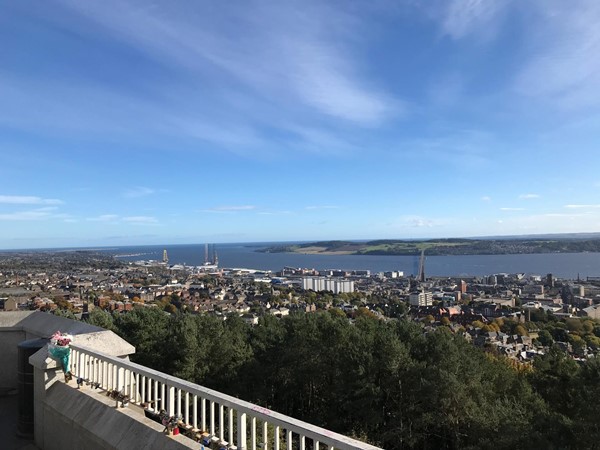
564	215
28	200
47	208
313	207
104	218
486	198
528	196
43	213
140	219
563	65
447	91
24	216
460	18
235	208
416	221
274	213
319	140
328	88
512	209
465	149
584	206
139	191
299	48
53	106
229	208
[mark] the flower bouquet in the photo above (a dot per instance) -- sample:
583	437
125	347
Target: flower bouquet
59	349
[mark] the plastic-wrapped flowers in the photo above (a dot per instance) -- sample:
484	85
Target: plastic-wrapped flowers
59	349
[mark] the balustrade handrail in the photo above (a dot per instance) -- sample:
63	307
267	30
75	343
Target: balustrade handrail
318	434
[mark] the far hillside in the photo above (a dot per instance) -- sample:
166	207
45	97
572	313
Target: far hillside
451	246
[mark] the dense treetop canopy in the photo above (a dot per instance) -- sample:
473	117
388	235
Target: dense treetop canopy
389	383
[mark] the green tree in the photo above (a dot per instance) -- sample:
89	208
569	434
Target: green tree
521	330
101	318
578	344
585	424
184	353
592	341
574	324
363	312
146	329
545	338
555	378
477	324
63	304
65	313
336	312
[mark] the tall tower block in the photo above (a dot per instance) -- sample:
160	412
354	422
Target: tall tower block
165	256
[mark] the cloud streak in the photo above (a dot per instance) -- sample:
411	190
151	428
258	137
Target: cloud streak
116	219
459	18
104	218
28	200
416	221
139	191
528	196
140	219
588	206
299	50
316	207
229	209
43	213
564	67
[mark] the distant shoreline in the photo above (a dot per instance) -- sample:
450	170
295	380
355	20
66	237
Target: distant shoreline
441	247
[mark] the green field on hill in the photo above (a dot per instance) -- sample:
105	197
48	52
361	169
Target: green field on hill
442	247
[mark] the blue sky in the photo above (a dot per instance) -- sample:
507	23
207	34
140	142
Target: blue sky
140	122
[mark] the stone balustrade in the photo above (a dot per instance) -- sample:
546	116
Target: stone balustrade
222	418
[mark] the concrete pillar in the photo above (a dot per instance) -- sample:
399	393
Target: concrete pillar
46	371
171	409
276	438
241	431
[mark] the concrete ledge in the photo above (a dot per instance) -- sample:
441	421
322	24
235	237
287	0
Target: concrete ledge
41	360
104	341
87	419
12	319
35	324
44	325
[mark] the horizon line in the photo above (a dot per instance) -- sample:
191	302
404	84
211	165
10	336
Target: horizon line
111	246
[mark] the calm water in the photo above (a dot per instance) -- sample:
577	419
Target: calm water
565	265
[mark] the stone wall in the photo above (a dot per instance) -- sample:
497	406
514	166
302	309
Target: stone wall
19	326
87	419
9	340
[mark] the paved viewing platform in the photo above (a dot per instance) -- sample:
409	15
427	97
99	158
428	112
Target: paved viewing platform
112	402
8	423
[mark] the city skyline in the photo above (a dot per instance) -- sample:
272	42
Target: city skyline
126	123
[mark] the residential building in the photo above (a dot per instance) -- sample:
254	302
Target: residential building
327	284
422	298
